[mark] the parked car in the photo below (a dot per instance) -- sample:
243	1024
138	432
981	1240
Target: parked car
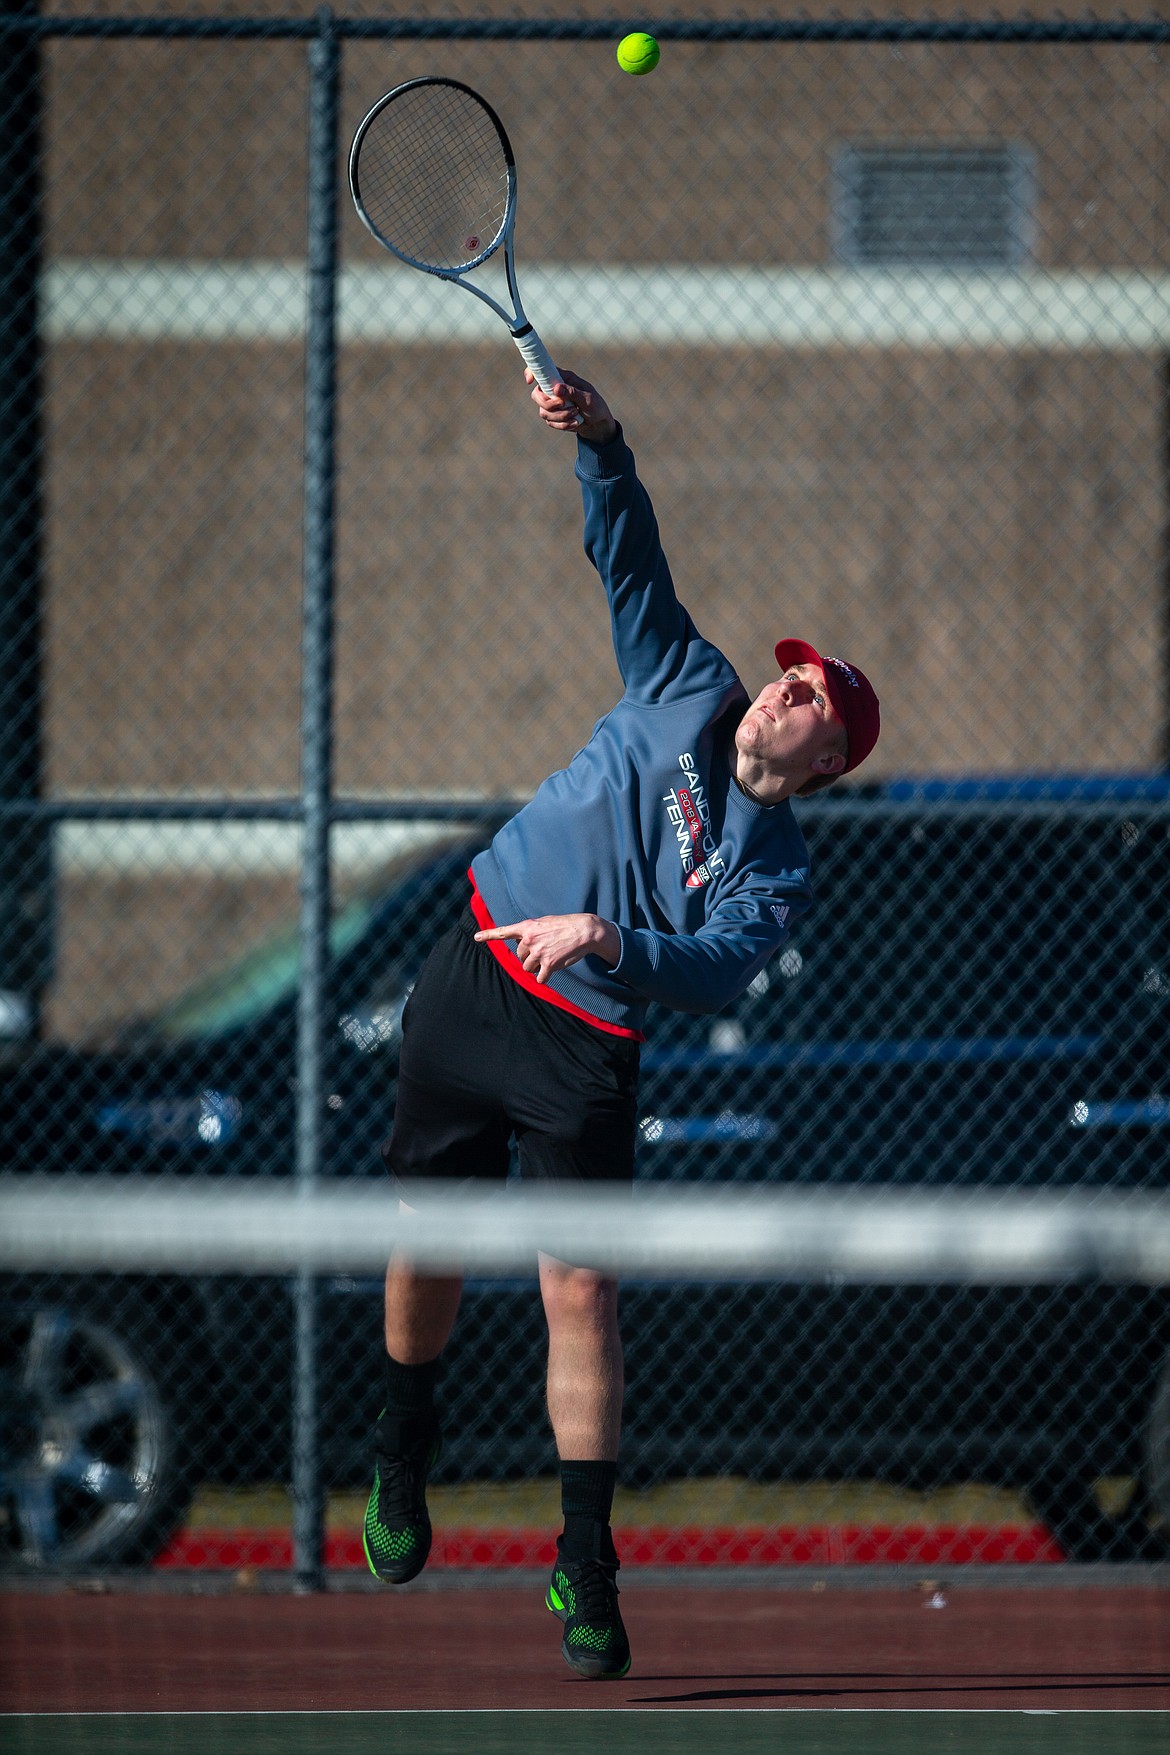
981	997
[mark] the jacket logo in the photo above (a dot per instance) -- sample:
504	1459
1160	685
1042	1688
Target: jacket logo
689	815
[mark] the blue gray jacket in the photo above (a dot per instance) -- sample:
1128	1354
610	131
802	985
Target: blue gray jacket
646	826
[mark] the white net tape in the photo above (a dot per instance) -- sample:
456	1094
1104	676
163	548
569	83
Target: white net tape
982	1237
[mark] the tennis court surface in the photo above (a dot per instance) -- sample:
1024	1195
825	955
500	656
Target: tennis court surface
575	1732
895	1666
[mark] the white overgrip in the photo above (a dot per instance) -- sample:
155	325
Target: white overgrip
536	357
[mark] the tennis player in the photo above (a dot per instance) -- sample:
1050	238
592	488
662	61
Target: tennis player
663	863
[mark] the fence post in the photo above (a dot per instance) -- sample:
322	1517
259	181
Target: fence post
26	911
316	767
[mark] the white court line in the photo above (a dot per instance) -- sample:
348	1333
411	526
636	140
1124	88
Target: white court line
750	1713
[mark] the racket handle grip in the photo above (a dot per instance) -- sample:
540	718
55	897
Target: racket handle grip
536	357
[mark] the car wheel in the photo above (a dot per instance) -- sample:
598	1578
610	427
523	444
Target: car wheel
92	1471
1158	1448
1139	1529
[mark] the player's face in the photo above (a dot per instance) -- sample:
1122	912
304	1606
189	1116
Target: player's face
790	722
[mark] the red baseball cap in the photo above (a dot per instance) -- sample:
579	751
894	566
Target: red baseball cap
850	691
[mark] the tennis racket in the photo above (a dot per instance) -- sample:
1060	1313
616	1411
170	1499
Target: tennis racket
433	176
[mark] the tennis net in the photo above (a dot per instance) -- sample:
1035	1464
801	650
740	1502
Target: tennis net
988	1237
815	1375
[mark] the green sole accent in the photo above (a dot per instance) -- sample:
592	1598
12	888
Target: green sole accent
366	1552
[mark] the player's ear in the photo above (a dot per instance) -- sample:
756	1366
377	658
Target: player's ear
831	762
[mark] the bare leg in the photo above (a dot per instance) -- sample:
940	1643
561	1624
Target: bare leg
585	1375
420	1313
585	1382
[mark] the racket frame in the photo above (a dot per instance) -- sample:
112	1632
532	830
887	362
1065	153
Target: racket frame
532	349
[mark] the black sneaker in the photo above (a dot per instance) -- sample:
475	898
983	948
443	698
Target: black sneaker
397	1532
583	1594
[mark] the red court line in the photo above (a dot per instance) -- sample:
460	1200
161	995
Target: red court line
648	1545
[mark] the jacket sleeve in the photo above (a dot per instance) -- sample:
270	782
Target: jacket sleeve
706	970
660	654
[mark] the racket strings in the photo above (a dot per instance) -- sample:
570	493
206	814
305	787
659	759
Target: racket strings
433	177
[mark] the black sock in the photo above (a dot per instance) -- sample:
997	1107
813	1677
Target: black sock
410	1393
587	1503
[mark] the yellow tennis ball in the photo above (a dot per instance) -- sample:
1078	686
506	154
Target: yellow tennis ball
638	53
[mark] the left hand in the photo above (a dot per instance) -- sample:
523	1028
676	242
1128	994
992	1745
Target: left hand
553	941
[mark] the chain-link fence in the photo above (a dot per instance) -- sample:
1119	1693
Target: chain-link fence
887	320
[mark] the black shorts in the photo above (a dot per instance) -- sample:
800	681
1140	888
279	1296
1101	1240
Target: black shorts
483	1063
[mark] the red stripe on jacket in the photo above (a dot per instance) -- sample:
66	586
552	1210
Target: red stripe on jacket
510	964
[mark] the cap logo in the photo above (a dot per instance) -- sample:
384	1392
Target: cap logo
850	676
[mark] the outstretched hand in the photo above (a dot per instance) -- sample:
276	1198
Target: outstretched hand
574	406
555	940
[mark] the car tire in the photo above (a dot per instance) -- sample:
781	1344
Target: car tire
1157	1458
95	1468
1140	1529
